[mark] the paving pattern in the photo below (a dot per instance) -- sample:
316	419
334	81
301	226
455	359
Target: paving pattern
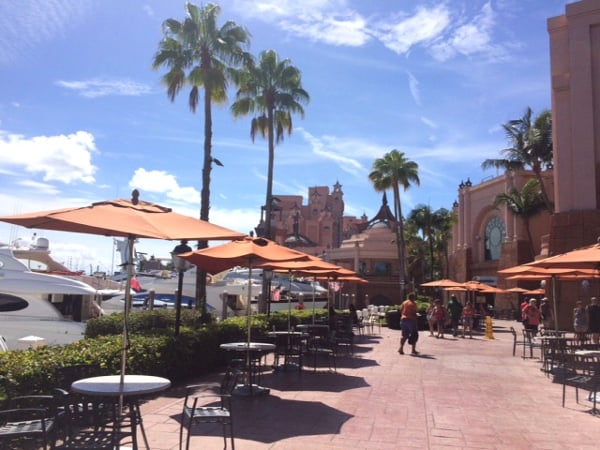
457	394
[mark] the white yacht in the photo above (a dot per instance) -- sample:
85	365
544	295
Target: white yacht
49	308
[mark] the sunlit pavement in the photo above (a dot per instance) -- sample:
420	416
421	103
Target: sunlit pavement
458	393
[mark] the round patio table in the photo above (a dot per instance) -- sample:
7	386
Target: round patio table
290	344
132	386
252	351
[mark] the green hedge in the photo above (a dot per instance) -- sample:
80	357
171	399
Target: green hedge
153	349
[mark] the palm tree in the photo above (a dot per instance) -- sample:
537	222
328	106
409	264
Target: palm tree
271	90
198	53
531	148
435	228
443	232
390	172
525	204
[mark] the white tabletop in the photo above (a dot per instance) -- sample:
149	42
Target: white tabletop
111	385
587	352
243	346
287	333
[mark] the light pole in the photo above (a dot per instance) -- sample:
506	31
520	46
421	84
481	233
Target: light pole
180	265
267	278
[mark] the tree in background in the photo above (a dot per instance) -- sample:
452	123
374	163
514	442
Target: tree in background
432	229
530	148
271	90
524	204
390	172
198	53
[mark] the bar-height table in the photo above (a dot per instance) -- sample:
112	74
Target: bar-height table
251	350
132	386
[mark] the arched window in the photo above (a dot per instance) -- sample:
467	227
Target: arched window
495	232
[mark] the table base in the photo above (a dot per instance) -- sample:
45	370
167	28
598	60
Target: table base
249	390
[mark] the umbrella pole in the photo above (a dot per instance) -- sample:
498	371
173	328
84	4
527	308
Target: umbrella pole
125	341
554	303
313	286
290	302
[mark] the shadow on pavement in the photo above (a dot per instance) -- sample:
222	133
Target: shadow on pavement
270	418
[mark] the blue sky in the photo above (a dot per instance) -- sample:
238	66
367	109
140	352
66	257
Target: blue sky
84	118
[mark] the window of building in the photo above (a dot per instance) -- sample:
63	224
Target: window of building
382	268
495	232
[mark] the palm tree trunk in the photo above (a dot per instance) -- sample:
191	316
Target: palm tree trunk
262	304
538	176
529	237
205	196
400	241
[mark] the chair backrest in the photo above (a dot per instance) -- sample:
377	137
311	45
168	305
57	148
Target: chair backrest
66	375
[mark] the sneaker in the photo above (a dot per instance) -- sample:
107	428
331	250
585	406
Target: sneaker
414	352
401	351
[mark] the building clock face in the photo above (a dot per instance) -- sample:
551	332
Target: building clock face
494	236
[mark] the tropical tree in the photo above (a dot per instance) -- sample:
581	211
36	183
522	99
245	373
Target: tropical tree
443	232
524	204
434	227
271	90
530	148
198	53
390	172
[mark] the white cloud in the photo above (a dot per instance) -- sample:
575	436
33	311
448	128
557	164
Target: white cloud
65	158
101	88
470	38
401	33
349	29
158	181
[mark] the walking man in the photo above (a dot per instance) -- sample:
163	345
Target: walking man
408	324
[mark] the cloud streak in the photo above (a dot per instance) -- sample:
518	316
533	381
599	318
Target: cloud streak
101	88
27	23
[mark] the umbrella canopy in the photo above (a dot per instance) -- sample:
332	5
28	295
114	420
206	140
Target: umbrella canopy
442	283
539	291
124	218
517	290
245	252
586	257
127	218
314	267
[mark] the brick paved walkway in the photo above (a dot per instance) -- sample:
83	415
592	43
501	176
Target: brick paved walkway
457	394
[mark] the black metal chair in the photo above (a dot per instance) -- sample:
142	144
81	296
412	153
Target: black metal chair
582	372
205	404
321	344
29	418
91	423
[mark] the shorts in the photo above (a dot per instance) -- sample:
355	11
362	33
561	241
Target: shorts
409	329
468	321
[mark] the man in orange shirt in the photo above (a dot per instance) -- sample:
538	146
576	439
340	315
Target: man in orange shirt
408	323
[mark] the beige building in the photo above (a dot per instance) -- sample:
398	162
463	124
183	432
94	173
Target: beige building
485	239
314	227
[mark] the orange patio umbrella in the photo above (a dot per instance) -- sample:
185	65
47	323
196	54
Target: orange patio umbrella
310	267
442	283
516	290
585	257
124	218
247	252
